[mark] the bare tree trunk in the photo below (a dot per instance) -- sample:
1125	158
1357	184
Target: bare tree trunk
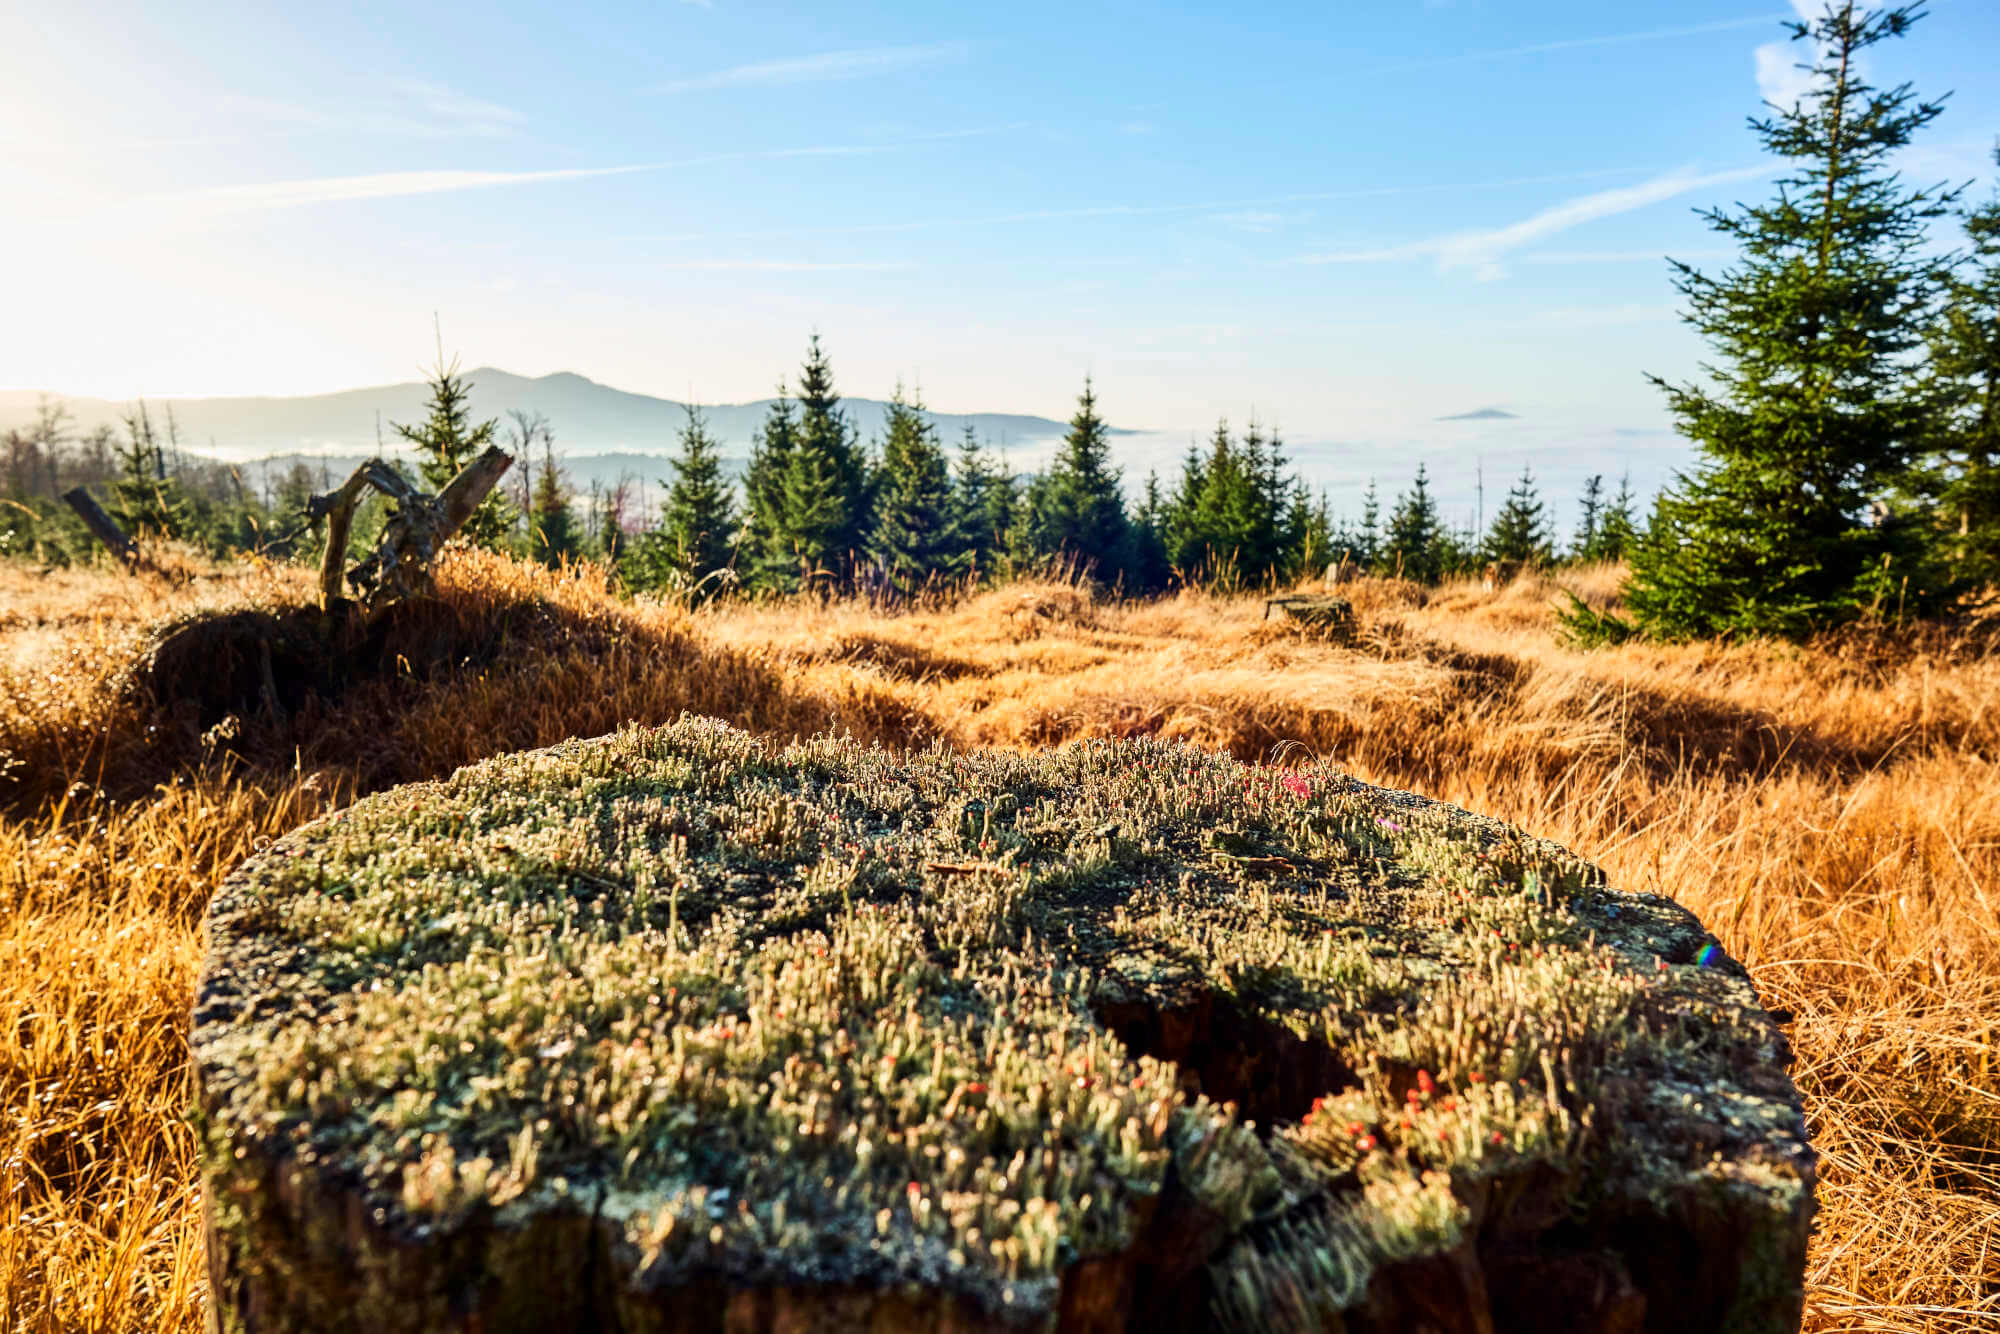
102	526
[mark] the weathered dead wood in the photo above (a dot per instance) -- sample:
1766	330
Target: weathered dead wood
102	526
399	567
1312	611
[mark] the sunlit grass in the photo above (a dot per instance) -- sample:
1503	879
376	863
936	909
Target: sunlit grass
1832	813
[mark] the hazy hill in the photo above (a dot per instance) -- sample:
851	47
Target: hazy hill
589	418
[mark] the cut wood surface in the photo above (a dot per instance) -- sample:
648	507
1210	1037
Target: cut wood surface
677	1030
1331	616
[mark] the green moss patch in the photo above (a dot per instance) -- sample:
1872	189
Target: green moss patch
1121	1035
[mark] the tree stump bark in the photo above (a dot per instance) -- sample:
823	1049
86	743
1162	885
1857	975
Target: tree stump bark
674	1030
1330	616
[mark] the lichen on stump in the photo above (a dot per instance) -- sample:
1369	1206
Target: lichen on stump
677	1030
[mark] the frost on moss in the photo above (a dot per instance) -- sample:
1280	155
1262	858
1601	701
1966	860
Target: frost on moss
1124	1027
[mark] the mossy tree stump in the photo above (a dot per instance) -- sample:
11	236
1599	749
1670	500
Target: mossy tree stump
671	1030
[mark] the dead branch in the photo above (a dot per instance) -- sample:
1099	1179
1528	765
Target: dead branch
400	565
102	526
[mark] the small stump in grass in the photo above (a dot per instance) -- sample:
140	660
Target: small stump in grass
674	1030
1329	617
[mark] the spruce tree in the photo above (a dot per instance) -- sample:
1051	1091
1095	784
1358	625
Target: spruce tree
768	561
145	500
915	539
1369	554
1308	536
825	429
1031	545
1180	522
1592	506
1459	549
974	480
1263	504
1224	514
1004	517
1519	534
812	519
1814	413
1618	527
1080	512
1150	569
1963	473
447	440
697	521
1413	546
552	528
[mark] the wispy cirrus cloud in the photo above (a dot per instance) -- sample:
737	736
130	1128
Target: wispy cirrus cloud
1622	256
1224	208
404	108
1580	43
1483	250
825	67
780	266
380	185
265	195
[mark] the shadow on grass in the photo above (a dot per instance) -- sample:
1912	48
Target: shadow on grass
407	693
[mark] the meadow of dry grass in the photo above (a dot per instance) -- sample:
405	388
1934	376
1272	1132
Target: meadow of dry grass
1833	813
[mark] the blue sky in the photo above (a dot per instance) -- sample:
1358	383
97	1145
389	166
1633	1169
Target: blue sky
1352	219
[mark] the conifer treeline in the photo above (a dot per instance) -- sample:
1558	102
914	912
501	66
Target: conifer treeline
822	512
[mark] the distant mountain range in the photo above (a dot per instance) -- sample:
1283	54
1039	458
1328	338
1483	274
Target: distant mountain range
623	430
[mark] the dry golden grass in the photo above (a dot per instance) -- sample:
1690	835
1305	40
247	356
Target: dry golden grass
1833	813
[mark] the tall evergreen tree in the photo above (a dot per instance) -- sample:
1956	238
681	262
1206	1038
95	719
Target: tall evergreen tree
1263	541
824	429
145	500
1150	569
1080	511
447	440
982	505
1616	530
1369	555
1029	546
1224	514
915	537
1413	546
698	519
1308	537
1592	507
1963	472
552	528
768	561
1520	532
1815	412
1180	521
812	519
